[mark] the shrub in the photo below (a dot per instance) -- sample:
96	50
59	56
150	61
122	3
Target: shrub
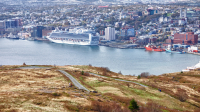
153	107
56	94
24	63
86	74
138	76
133	106
123	100
181	94
128	85
108	107
145	74
82	72
71	107
105	69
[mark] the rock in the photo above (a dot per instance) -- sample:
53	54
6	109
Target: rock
94	91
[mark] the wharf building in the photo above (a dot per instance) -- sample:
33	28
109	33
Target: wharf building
188	38
11	25
47	31
37	31
110	33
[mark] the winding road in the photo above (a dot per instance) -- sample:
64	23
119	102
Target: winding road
74	81
119	80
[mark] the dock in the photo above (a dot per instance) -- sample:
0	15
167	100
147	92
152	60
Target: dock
193	53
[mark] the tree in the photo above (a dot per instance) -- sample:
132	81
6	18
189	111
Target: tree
133	106
175	15
139	77
82	72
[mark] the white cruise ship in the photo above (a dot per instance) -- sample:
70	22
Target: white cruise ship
79	38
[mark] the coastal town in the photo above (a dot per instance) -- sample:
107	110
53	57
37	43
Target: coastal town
123	25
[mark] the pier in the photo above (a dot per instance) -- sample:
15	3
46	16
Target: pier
193	53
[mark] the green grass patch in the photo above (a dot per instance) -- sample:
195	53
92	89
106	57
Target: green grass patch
98	84
141	93
123	79
169	14
165	110
81	78
83	67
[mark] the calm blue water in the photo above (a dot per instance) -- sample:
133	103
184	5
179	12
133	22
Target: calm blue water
128	61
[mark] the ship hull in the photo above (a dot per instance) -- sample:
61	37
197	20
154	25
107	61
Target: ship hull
72	42
152	49
148	49
178	52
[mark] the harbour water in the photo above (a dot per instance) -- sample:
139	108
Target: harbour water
128	61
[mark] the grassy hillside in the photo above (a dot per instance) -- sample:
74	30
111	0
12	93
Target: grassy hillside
46	89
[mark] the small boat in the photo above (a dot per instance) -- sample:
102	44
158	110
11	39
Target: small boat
178	52
11	36
31	39
22	38
169	50
153	48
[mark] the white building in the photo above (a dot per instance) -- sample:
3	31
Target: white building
110	33
164	19
183	13
182	22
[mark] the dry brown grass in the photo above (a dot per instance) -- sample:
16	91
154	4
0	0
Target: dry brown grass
36	87
47	90
108	107
183	86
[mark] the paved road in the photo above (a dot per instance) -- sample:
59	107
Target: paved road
125	81
131	82
74	81
120	80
